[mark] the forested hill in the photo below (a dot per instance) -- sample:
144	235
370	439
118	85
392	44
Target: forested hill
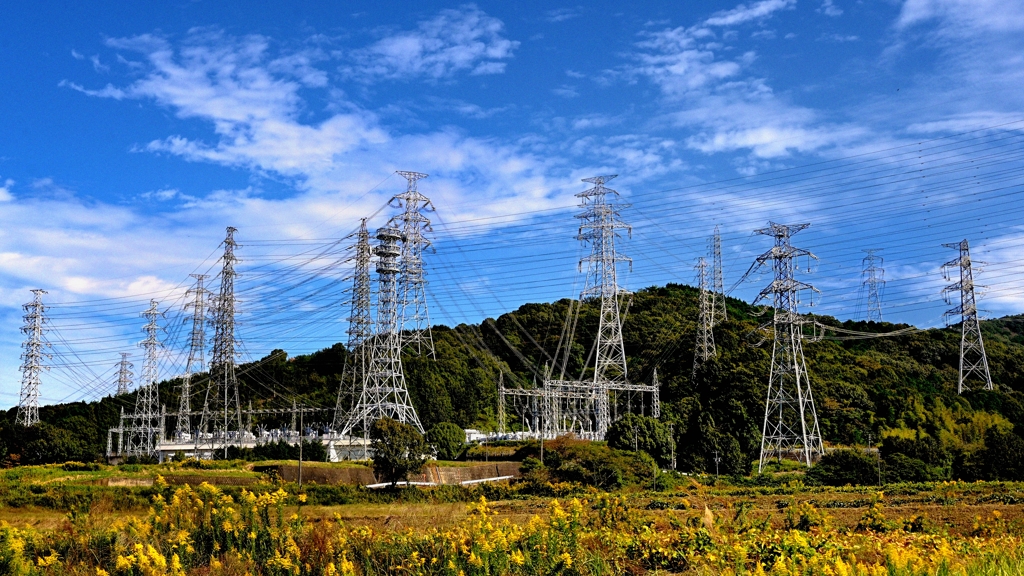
899	387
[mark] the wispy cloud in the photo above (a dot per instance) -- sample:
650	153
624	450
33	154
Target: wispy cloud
466	39
828	8
5	191
964	17
746	13
561	14
707	87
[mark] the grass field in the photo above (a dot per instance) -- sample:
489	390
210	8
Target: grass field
693	526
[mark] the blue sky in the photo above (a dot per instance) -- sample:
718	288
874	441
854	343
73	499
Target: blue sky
129	140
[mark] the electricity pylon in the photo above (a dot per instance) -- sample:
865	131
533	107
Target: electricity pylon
221	421
414	322
705	349
32	359
599	223
790	420
718	289
385	393
360	328
124	374
973	361
196	362
874	284
146	432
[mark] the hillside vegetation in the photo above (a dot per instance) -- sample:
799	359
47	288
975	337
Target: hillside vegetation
901	390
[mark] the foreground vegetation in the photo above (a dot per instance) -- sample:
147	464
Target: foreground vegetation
268	529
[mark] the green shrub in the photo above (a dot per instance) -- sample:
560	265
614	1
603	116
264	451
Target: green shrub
73	466
842	467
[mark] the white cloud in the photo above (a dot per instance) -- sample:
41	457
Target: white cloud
466	39
965	17
5	191
108	91
565	91
561	14
76	55
97	65
746	13
250	96
828	8
708	87
839	38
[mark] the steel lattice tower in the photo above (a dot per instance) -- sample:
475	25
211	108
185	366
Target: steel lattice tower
874	284
790	420
598	224
196	362
973	361
385	394
222	412
146	432
718	289
414	322
360	328
124	374
32	359
705	349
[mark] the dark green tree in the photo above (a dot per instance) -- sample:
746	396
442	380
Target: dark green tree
398	450
447	439
641	433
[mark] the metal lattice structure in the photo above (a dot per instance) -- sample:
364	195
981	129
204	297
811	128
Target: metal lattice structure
585	407
415	226
145	430
874	284
705	348
718	284
385	393
124	374
360	328
221	423
32	359
973	361
196	362
790	421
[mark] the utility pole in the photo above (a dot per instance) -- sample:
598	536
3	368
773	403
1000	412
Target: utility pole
705	349
973	361
302	431
718	289
222	412
599	223
385	393
32	359
146	432
124	374
874	284
196	355
878	458
414	225
360	328
790	420
672	431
